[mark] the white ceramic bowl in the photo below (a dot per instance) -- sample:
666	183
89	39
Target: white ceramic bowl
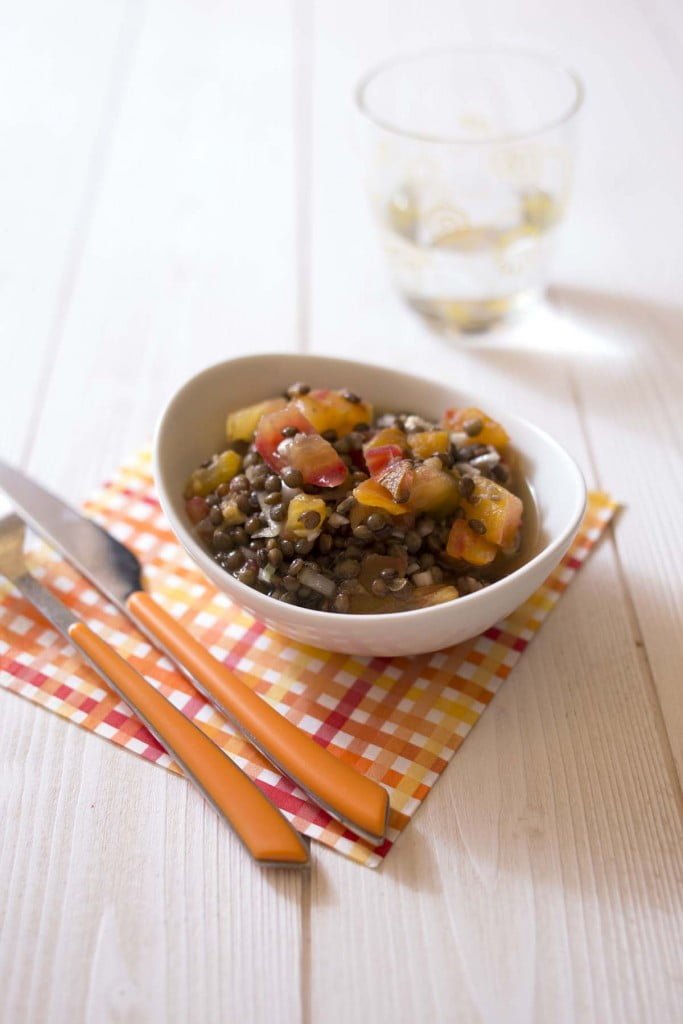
192	427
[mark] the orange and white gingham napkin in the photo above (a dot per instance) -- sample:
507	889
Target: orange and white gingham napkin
397	720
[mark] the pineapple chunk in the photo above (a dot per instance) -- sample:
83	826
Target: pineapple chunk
429	442
242	423
299	506
498	509
231	513
221	469
477	425
467	546
388	435
329	410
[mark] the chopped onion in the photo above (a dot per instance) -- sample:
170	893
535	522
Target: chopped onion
272	529
316	581
487	461
467	469
336	519
288	493
459	438
414	423
267	572
423	579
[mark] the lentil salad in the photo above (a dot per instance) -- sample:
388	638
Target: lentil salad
315	501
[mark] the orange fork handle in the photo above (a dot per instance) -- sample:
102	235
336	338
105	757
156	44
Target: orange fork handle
361	803
267	835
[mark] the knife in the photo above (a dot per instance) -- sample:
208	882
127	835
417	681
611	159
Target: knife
264	831
358	802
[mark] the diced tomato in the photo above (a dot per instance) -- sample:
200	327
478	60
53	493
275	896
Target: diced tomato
398	478
269	434
428	442
197	508
498	509
242	423
434	490
377	459
374	495
314	457
467	546
477	425
330	410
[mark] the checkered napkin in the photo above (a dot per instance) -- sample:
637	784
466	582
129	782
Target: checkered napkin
397	720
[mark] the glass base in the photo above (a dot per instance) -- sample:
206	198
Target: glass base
473	316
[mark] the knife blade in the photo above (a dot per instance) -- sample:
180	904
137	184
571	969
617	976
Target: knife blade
357	801
264	831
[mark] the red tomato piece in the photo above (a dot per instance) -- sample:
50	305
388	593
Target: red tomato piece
315	458
378	459
269	434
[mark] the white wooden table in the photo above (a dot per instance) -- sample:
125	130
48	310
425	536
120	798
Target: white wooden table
178	183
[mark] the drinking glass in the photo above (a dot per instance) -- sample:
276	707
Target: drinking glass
470	158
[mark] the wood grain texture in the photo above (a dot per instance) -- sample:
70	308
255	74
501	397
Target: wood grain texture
183	184
531	884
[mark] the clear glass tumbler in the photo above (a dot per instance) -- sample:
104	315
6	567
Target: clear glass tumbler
470	157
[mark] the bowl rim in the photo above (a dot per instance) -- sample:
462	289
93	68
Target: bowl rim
310	615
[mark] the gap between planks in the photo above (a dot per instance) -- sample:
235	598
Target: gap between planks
630	607
302	73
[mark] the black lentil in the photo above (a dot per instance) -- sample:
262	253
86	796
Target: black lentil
466	486
292	477
309	520
473	427
234	560
253	525
338	541
342	603
347	569
297	389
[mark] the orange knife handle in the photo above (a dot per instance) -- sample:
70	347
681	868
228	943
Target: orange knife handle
262	828
359	802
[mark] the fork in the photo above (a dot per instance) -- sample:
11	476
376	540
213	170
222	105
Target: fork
263	830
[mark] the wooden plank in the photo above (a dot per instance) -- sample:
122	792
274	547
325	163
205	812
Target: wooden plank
59	83
134	902
620	295
540	881
191	254
123	895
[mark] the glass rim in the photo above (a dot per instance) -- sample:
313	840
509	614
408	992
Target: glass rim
504	51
